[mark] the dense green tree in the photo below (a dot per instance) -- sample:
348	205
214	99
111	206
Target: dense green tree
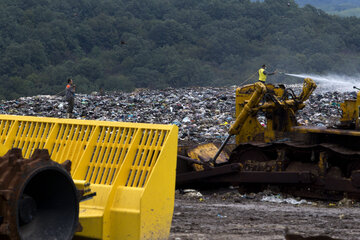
127	44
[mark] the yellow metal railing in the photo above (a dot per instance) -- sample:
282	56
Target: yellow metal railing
130	166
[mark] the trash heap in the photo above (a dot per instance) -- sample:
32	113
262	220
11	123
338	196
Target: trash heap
202	114
323	109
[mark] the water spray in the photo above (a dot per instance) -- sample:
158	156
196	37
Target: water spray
330	82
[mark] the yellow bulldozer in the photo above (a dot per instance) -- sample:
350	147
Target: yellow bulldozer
305	161
94	179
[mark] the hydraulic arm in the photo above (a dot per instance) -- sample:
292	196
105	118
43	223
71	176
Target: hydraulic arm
279	104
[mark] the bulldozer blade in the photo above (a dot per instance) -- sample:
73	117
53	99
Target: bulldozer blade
206	152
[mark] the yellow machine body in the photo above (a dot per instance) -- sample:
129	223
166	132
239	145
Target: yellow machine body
280	111
273	149
130	166
351	113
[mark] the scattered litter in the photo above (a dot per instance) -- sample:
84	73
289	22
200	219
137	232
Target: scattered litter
279	199
346	202
192	193
186	120
249	196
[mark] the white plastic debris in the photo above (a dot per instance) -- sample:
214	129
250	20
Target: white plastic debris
279	199
192	193
186	120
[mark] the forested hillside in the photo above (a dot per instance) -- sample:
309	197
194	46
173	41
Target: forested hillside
123	44
331	5
341	8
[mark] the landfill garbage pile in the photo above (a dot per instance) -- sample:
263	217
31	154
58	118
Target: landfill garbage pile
323	109
202	114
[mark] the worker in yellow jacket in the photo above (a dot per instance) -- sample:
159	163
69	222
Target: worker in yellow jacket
263	74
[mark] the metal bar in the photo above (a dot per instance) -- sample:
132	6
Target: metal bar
220	149
232	174
189	159
273	177
87	197
182	178
337	184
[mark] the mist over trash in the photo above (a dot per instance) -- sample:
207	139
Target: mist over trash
331	82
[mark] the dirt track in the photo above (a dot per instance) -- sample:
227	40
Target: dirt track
231	216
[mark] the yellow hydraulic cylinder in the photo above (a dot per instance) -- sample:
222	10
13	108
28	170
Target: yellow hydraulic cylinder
130	166
309	87
256	97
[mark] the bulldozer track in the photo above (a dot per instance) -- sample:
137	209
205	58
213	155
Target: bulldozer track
333	169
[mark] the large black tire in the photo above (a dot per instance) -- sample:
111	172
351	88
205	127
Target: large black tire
38	198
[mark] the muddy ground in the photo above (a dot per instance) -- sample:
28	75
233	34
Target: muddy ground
227	214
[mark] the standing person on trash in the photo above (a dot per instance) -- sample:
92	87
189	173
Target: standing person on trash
70	96
263	74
